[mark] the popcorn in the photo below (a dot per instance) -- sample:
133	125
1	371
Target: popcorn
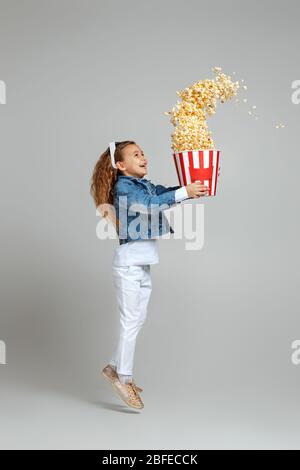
199	101
280	125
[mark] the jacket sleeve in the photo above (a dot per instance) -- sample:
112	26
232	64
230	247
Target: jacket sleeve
161	189
146	202
180	191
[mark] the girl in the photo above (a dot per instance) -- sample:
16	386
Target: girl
117	184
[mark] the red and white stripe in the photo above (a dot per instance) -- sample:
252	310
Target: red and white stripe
198	165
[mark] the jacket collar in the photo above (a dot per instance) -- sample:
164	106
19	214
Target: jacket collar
133	178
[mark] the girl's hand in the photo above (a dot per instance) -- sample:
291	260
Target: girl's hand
196	189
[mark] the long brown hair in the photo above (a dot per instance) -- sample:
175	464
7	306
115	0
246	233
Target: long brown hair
104	178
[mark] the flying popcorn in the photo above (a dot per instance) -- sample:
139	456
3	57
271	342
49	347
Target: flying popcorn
280	125
199	101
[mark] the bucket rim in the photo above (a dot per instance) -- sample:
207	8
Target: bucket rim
196	150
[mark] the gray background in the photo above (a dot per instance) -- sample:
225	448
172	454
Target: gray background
214	356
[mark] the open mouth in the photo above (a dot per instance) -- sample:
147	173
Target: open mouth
144	165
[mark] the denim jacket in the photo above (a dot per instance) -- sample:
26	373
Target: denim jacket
139	200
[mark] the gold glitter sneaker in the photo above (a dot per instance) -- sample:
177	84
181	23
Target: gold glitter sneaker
111	375
128	393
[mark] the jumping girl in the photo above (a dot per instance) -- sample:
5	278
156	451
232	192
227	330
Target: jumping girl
118	183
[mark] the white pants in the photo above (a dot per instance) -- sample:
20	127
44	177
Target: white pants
133	287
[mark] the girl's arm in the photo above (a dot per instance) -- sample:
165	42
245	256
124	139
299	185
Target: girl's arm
180	191
161	189
165	199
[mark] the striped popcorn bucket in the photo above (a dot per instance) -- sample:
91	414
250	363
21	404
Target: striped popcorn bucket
198	165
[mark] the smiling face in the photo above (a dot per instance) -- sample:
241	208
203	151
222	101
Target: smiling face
134	162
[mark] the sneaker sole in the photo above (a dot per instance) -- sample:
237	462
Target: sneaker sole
127	403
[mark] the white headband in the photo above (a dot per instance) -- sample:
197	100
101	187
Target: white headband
112	148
